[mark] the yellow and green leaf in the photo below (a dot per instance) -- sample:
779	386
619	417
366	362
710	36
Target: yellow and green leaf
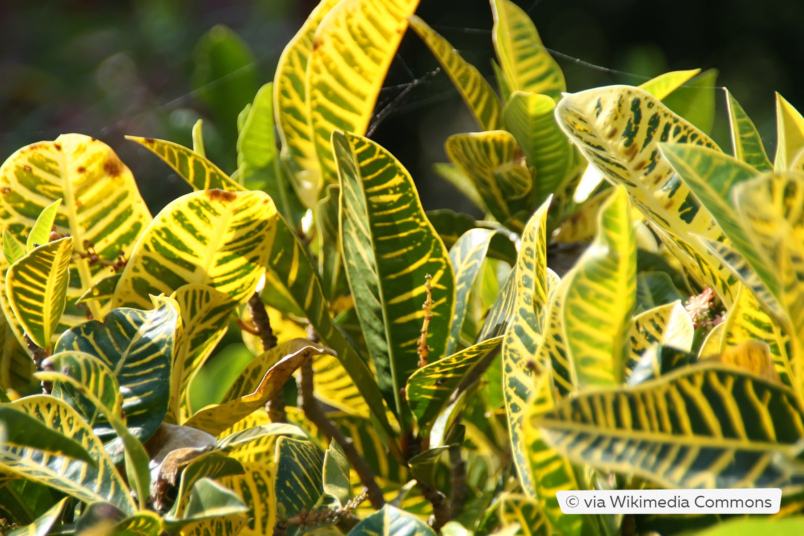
88	483
525	61
599	299
255	484
668	325
429	388
40	232
473	88
695	100
389	246
699	427
204	319
36	289
43	524
526	514
747	321
101	209
215	238
789	134
352	50
372	447
551	471
489	160
665	84
291	104
12	249
619	128
745	138
298	482
524	335
24	431
138	347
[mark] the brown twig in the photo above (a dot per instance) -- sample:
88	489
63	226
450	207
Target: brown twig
458	495
421	346
259	317
440	506
313	412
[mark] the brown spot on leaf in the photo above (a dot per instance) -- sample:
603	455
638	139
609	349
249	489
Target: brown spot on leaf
640	165
149	141
57	146
5	190
220	195
113	167
317	42
81	169
27	168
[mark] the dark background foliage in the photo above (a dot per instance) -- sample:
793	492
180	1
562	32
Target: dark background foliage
153	67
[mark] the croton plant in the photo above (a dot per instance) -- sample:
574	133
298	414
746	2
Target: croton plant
413	372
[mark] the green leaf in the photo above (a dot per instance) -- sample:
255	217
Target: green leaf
530	118
391	521
40	232
36	286
665	84
619	128
257	159
524	334
292	95
85	173
106	519
215	238
19	429
336	474
191	166
210	499
423	465
502	310
12	249
240	401
372	447
255	483
224	76
330	264
695	101
655	289
706	424
751	527
138	347
599	299
789	133
198	138
43	524
489	160
450	225
212	465
525	61
745	138
658	360
102	291
429	388
204	319
473	88
467	257
389	247
298	481
88	483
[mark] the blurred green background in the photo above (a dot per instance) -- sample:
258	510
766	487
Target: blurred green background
153	67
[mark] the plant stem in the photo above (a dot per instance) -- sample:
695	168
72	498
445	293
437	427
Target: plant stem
457	497
313	412
259	316
439	503
421	346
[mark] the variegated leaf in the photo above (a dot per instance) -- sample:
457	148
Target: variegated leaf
36	289
745	138
215	238
789	134
473	88
665	84
389	247
352	50
668	325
